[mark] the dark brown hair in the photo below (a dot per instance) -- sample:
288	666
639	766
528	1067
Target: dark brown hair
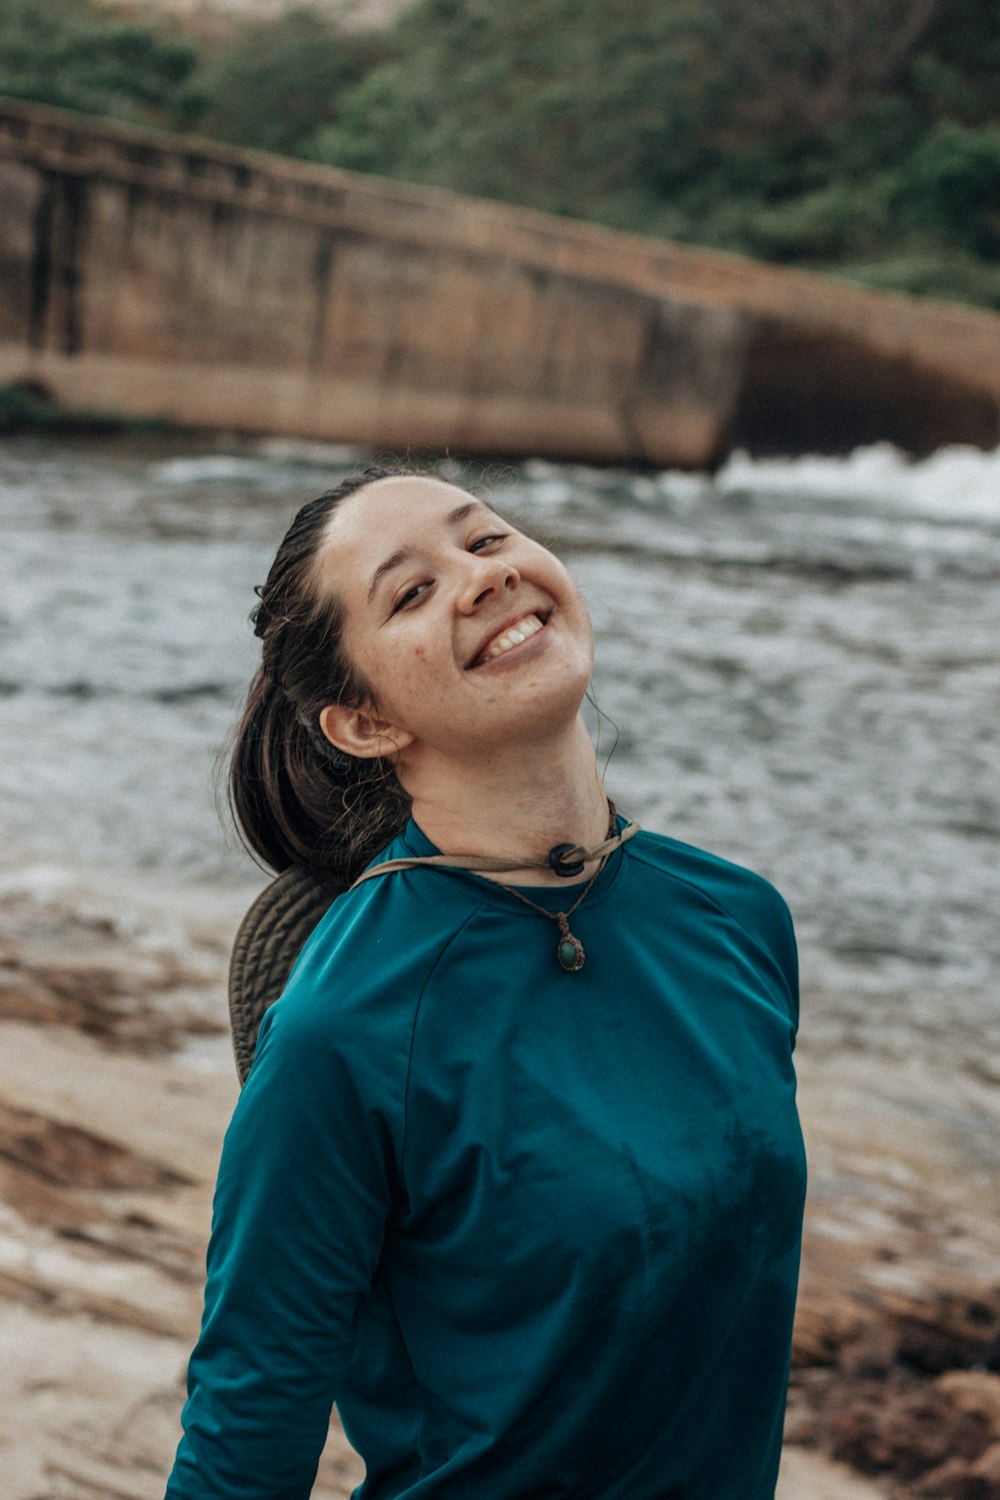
296	799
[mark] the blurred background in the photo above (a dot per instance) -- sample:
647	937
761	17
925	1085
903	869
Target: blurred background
797	662
859	137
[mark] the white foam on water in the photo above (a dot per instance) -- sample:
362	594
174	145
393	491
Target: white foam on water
310	452
213	468
44	883
953	484
821	685
160	911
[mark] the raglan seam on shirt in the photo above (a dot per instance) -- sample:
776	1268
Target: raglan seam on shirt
413	1032
492	897
707	896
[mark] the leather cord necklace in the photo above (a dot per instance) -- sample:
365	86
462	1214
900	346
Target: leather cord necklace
566	860
569	949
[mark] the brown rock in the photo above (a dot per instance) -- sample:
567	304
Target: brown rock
400	316
905	1434
958	1480
974	1391
987	1469
75	1158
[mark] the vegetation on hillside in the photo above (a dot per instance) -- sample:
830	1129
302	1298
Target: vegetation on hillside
860	137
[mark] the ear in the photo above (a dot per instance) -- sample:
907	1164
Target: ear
362	733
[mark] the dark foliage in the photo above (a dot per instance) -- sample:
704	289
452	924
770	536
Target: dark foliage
860	137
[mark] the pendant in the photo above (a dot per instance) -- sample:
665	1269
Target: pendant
570	950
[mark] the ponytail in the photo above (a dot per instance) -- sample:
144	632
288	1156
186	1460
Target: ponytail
295	798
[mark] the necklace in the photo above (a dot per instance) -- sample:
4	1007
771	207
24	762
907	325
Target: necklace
569	949
562	860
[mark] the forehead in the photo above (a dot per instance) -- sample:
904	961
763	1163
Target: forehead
383	517
397	505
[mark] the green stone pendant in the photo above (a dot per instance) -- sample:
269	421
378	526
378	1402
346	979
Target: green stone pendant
570	950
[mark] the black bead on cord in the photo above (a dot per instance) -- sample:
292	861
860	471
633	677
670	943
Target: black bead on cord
557	861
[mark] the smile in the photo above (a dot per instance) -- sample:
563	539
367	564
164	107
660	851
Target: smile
507	638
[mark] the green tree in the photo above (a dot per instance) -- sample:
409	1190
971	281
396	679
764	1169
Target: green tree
548	103
951	186
817	132
859	136
274	84
82	56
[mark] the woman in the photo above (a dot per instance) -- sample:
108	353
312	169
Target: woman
516	1177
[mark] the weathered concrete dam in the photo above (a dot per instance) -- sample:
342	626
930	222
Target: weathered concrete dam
155	275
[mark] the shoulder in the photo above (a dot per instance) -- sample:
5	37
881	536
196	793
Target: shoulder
742	892
745	897
356	986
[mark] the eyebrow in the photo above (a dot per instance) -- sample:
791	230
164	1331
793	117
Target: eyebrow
452	519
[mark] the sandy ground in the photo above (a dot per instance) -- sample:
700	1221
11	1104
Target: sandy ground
116	1087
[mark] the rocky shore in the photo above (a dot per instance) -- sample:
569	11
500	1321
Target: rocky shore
116	1089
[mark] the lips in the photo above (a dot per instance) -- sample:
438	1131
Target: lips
514	633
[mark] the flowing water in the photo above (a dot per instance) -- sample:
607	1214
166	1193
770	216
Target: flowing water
800	658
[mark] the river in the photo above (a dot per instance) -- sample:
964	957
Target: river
797	668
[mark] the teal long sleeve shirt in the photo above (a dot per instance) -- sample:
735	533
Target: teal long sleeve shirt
535	1233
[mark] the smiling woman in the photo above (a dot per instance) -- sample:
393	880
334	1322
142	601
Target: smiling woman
525	1204
468	633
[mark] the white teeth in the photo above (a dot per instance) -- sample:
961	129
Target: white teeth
513	635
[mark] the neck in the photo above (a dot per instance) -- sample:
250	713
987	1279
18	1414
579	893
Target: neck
521	800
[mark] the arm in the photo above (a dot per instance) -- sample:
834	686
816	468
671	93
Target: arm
304	1188
785	949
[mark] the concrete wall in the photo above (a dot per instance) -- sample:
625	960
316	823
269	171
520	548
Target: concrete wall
150	274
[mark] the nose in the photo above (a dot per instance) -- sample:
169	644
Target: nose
485	575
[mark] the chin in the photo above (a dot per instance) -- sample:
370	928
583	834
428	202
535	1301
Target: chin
555	705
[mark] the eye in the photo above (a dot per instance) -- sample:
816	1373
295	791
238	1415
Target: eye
409	596
485	541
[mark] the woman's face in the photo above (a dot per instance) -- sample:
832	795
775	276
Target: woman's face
468	633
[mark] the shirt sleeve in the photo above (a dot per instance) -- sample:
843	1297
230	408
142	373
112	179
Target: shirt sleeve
788	956
305	1186
763	914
